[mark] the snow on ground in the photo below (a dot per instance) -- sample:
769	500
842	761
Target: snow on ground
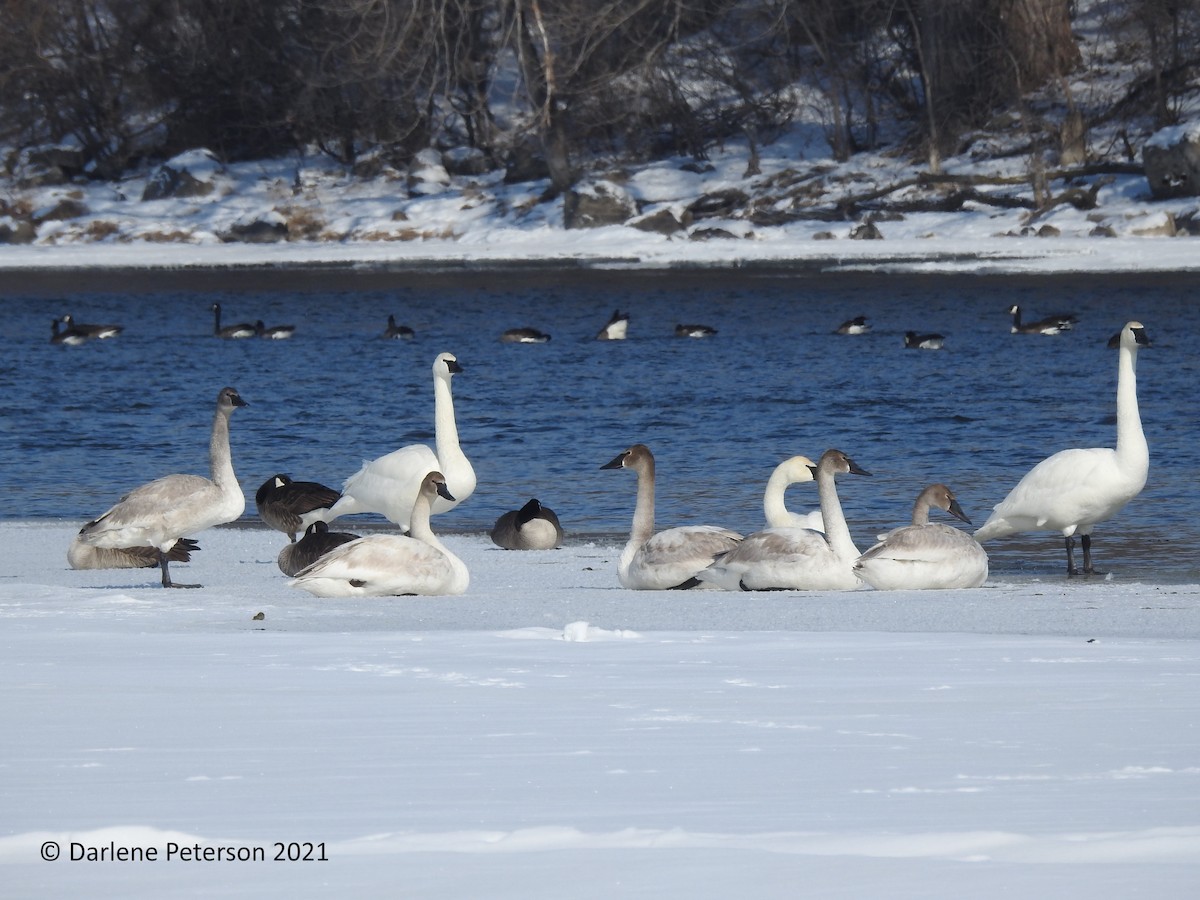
549	734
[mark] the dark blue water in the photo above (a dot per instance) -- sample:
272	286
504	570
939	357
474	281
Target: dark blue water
82	425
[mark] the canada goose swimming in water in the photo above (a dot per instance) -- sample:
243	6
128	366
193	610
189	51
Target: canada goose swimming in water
857	325
1073	490
100	332
275	332
1055	324
291	506
532	527
70	337
926	555
694	331
794	470
389	485
668	560
384	565
81	555
317	541
796	559
524	336
395	332
616	328
157	514
231	332
914	341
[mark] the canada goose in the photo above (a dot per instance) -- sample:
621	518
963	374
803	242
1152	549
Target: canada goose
532	527
157	514
1050	325
694	331
914	341
524	336
796	559
231	332
1073	490
926	555
668	560
794	470
382	565
389	484
288	506
857	325
317	541
81	555
395	332
70	337
616	327
275	332
93	331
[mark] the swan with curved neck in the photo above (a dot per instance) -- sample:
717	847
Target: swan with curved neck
668	560
1074	490
157	514
386	565
795	470
797	559
389	484
926	555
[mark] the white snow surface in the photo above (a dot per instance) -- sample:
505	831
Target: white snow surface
552	735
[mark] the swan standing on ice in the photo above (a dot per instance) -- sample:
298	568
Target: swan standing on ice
1073	490
926	555
532	527
389	484
796	559
1051	325
174	506
317	541
670	559
231	332
291	506
795	470
385	565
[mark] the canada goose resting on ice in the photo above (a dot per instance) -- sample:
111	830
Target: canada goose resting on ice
926	555
1051	325
385	565
291	506
231	332
524	336
532	527
317	541
157	514
616	327
668	560
1073	490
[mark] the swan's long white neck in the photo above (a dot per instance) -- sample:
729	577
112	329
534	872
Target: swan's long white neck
837	532
444	427
220	458
774	506
1133	454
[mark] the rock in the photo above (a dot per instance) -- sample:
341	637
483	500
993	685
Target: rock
661	222
1171	159
596	205
267	229
67	208
466	161
719	204
1048	231
17	231
866	231
190	174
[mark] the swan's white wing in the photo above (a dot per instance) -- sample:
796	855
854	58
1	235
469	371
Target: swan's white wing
379	565
387	485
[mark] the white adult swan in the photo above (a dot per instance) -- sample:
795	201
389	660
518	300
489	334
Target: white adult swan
795	470
670	559
157	514
796	559
389	485
1072	490
384	565
532	527
926	555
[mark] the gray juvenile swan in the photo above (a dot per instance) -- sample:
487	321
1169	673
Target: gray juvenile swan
1073	490
796	559
157	514
926	555
385	565
670	559
532	527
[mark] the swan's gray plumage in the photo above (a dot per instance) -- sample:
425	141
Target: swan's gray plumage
157	514
231	332
532	527
317	541
82	555
291	506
